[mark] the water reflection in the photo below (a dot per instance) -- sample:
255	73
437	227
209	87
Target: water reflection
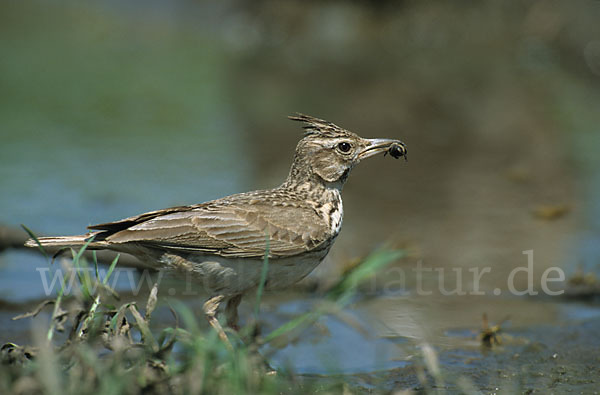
110	110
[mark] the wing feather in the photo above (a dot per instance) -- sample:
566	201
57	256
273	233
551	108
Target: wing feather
224	229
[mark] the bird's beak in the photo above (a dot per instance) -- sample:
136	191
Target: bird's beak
396	148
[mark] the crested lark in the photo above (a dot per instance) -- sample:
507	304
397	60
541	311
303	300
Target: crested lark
222	243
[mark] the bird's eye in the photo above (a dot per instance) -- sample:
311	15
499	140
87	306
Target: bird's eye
344	146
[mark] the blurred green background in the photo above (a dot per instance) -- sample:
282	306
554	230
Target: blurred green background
112	108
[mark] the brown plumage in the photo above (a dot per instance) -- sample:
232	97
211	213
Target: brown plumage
223	242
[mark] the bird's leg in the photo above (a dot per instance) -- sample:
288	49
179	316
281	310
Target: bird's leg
210	310
231	312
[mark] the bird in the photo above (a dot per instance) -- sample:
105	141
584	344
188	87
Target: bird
221	244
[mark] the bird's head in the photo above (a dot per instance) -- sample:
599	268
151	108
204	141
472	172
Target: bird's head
330	152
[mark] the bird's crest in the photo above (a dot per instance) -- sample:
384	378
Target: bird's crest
319	127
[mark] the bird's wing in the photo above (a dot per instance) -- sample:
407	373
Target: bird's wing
238	230
125	223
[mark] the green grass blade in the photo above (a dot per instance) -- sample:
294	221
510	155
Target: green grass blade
83	278
77	256
189	319
90	316
342	292
95	259
293	324
116	319
37	241
111	268
147	336
263	278
61	292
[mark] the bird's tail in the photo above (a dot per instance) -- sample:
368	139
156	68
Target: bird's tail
64	241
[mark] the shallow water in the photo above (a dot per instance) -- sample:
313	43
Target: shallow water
109	111
377	343
549	345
